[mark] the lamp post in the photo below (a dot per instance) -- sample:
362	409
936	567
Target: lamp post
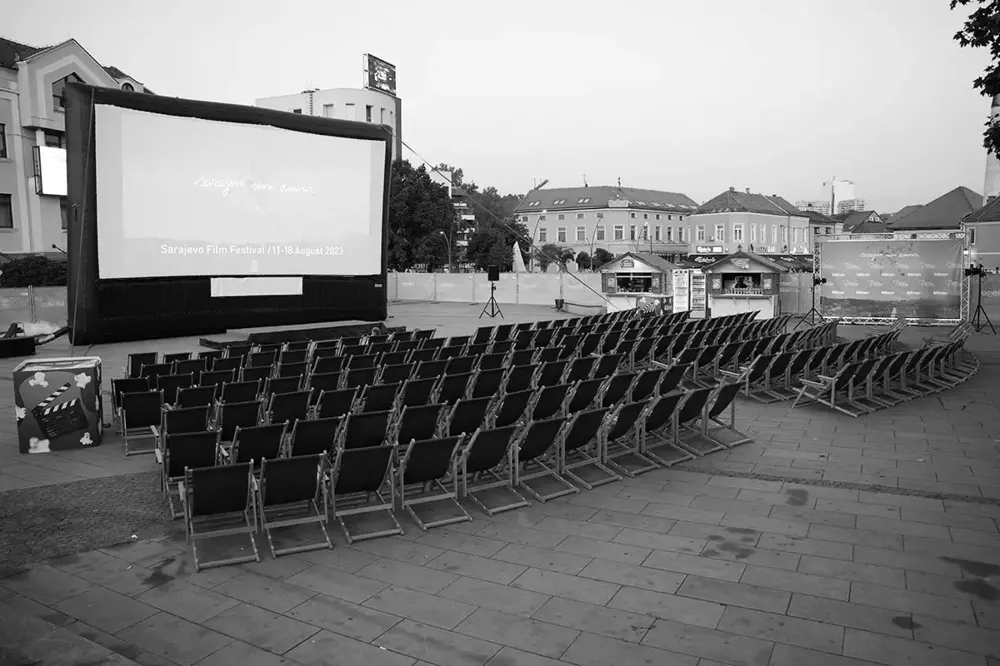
447	239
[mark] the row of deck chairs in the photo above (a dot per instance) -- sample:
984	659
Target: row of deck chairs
865	385
365	473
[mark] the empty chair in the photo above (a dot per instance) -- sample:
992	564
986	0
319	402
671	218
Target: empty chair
585	394
623	451
547	355
581	369
291	493
719	421
459	365
644	386
254	444
154	371
690	417
194	366
227	363
292	369
502	347
430	369
239	391
358	361
487	383
488	462
219	502
288	407
196	396
617	389
292	357
422	469
232	415
238	351
217	377
135	362
512	409
179	452
418	356
550	374
466	416
358	478
452	388
520	378
608	365
581	449
396	374
126	385
360	377
493	361
209	356
550	401
418	392
325	381
362	430
449	353
533	459
262	359
420	423
380	397
314	436
140	415
336	403
181	420
395	358
659	432
276	385
324	364
258	374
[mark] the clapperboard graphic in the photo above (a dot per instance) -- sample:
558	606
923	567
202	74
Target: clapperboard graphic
61	419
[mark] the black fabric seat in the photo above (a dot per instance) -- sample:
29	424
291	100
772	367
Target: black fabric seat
358	479
423	468
290	494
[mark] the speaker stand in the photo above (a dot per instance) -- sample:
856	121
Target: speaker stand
492	308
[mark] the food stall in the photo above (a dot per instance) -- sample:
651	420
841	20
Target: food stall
638	280
744	282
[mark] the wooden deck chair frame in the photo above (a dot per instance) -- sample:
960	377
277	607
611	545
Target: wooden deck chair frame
141	431
500	476
188	490
544	469
656	444
827	389
169	483
357	507
626	454
125	385
719	423
692	431
316	508
434	490
589	454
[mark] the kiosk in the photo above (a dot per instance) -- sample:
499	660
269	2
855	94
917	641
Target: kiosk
640	280
744	282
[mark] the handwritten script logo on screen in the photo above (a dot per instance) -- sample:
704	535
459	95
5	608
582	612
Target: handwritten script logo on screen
227	185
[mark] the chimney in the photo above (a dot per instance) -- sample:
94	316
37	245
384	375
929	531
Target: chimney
732	189
748	190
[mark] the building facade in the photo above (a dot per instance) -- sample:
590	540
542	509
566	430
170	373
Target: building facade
465	216
818	206
32	114
361	104
757	223
615	219
851	206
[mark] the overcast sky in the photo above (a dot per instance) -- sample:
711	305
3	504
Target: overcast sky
775	95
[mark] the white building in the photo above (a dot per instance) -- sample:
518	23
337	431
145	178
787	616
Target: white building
362	104
851	206
817	205
837	190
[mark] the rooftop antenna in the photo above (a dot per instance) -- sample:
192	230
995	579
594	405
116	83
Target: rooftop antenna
619	182
585	180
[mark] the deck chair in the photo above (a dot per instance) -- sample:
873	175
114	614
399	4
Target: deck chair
659	432
778	386
182	451
536	457
324	363
380	397
358	359
459	365
196	396
219	502
181	420
550	374
510	409
125	385
755	379
336	403
291	492
487	383
263	359
363	430
418	356
324	381
585	395
227	363
581	369
520	378
608	365
617	389
396	374
476	350
135	362
875	383
624	444
360	377
217	378
690	422
395	358
288	407
192	366
492	361
424	468
140	414
292	356
358	478
174	357
483	335
645	385
638	354
154	371
417	423
239	391
453	388
209	356
838	391
238	351
488	461
524	340
232	415
313	436
581	452
466	416
254	444
447	353
276	385
550	402
418	392
430	369
259	374
519	357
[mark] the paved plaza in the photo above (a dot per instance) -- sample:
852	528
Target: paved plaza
827	541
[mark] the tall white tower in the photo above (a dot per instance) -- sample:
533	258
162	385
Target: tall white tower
991	188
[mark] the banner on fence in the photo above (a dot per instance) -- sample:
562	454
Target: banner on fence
920	278
681	289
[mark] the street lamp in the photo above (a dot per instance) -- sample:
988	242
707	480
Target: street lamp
447	239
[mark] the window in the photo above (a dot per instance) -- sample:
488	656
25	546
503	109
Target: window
543	235
700	231
524	218
6	212
753	232
631	232
3	141
579	216
670	217
581	234
720	233
561	235
349	112
774	234
64	212
645	216
670	234
632	215
737	233
784	234
59	90
657	216
583	201
680	234
541	218
600	216
558	202
645	232
659	233
827	230
619	232
599	233
560	217
296	110
381	116
681	218
328	110
54	139
368	113
972	235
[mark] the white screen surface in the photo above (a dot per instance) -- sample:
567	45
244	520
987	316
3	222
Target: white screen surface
52	167
179	196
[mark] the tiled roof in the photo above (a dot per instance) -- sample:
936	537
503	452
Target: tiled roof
816	217
988	213
945	212
569	198
857	222
11	52
119	74
905	210
733	201
756	257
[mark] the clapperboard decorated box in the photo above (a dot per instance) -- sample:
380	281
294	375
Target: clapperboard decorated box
57	404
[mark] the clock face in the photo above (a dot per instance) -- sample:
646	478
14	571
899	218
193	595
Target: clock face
127	87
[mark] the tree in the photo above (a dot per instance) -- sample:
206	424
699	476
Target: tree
552	253
421	219
601	257
492	244
456	174
584	261
982	30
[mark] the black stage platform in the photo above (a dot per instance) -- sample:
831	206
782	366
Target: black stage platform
278	334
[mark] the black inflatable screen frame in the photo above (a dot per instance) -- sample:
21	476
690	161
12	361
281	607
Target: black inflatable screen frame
102	311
